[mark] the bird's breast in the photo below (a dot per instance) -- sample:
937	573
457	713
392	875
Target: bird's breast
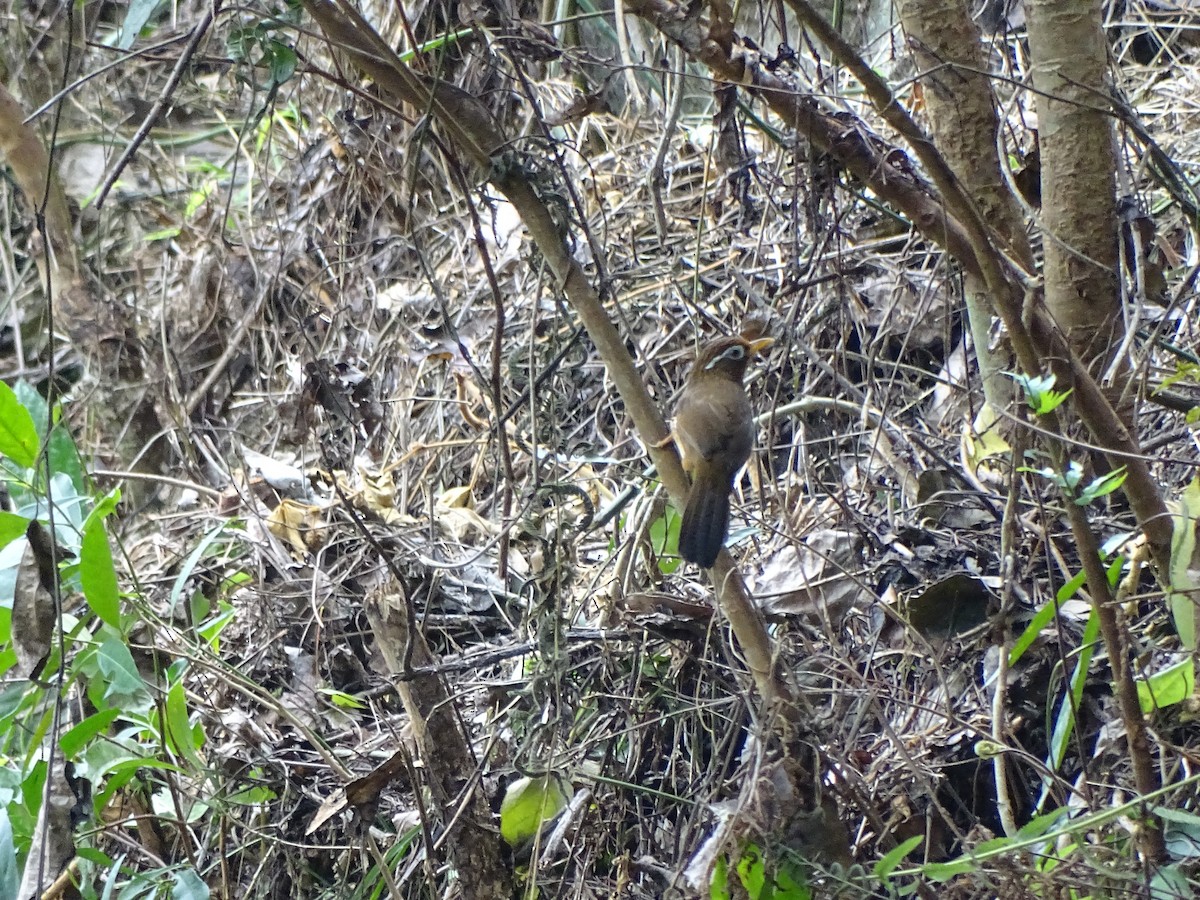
714	423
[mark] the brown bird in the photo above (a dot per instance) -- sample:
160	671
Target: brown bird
714	431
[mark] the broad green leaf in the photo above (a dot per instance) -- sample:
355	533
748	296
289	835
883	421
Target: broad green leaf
1164	688
5	632
18	434
75	739
790	884
1171	883
10	785
1039	391
188	886
1102	486
1114	570
211	630
281	61
123	684
12	527
13	696
1181	832
121	772
253	795
31	398
1183	614
97	574
105	506
528	802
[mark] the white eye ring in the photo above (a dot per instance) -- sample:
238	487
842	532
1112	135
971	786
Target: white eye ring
736	353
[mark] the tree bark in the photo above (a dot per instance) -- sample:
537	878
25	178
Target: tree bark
961	112
1079	216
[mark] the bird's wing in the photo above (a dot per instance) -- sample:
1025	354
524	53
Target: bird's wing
727	412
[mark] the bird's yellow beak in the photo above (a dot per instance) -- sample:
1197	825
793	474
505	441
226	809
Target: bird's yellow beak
758	346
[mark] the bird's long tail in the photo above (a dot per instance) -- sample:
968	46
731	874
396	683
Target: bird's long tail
705	521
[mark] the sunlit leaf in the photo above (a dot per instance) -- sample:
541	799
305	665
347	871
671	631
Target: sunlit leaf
528	802
1171	685
18	435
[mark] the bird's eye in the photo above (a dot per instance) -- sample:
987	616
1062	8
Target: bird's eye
737	352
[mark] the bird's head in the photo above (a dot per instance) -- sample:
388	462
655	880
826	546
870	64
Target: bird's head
728	357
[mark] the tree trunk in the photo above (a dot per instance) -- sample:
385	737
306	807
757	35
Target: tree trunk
1078	206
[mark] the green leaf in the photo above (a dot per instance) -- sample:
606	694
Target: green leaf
97	574
1184	584
75	739
31	398
10	878
1039	825
1042	618
1171	883
253	795
18	434
179	729
664	539
188	886
1115	568
62	457
5	635
718	888
105	506
1039	392
895	856
946	871
1169	686
1183	614
12	527
789	883
1181	832
211	630
528	802
752	871
281	61
123	683
138	15
1102	486
341	699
